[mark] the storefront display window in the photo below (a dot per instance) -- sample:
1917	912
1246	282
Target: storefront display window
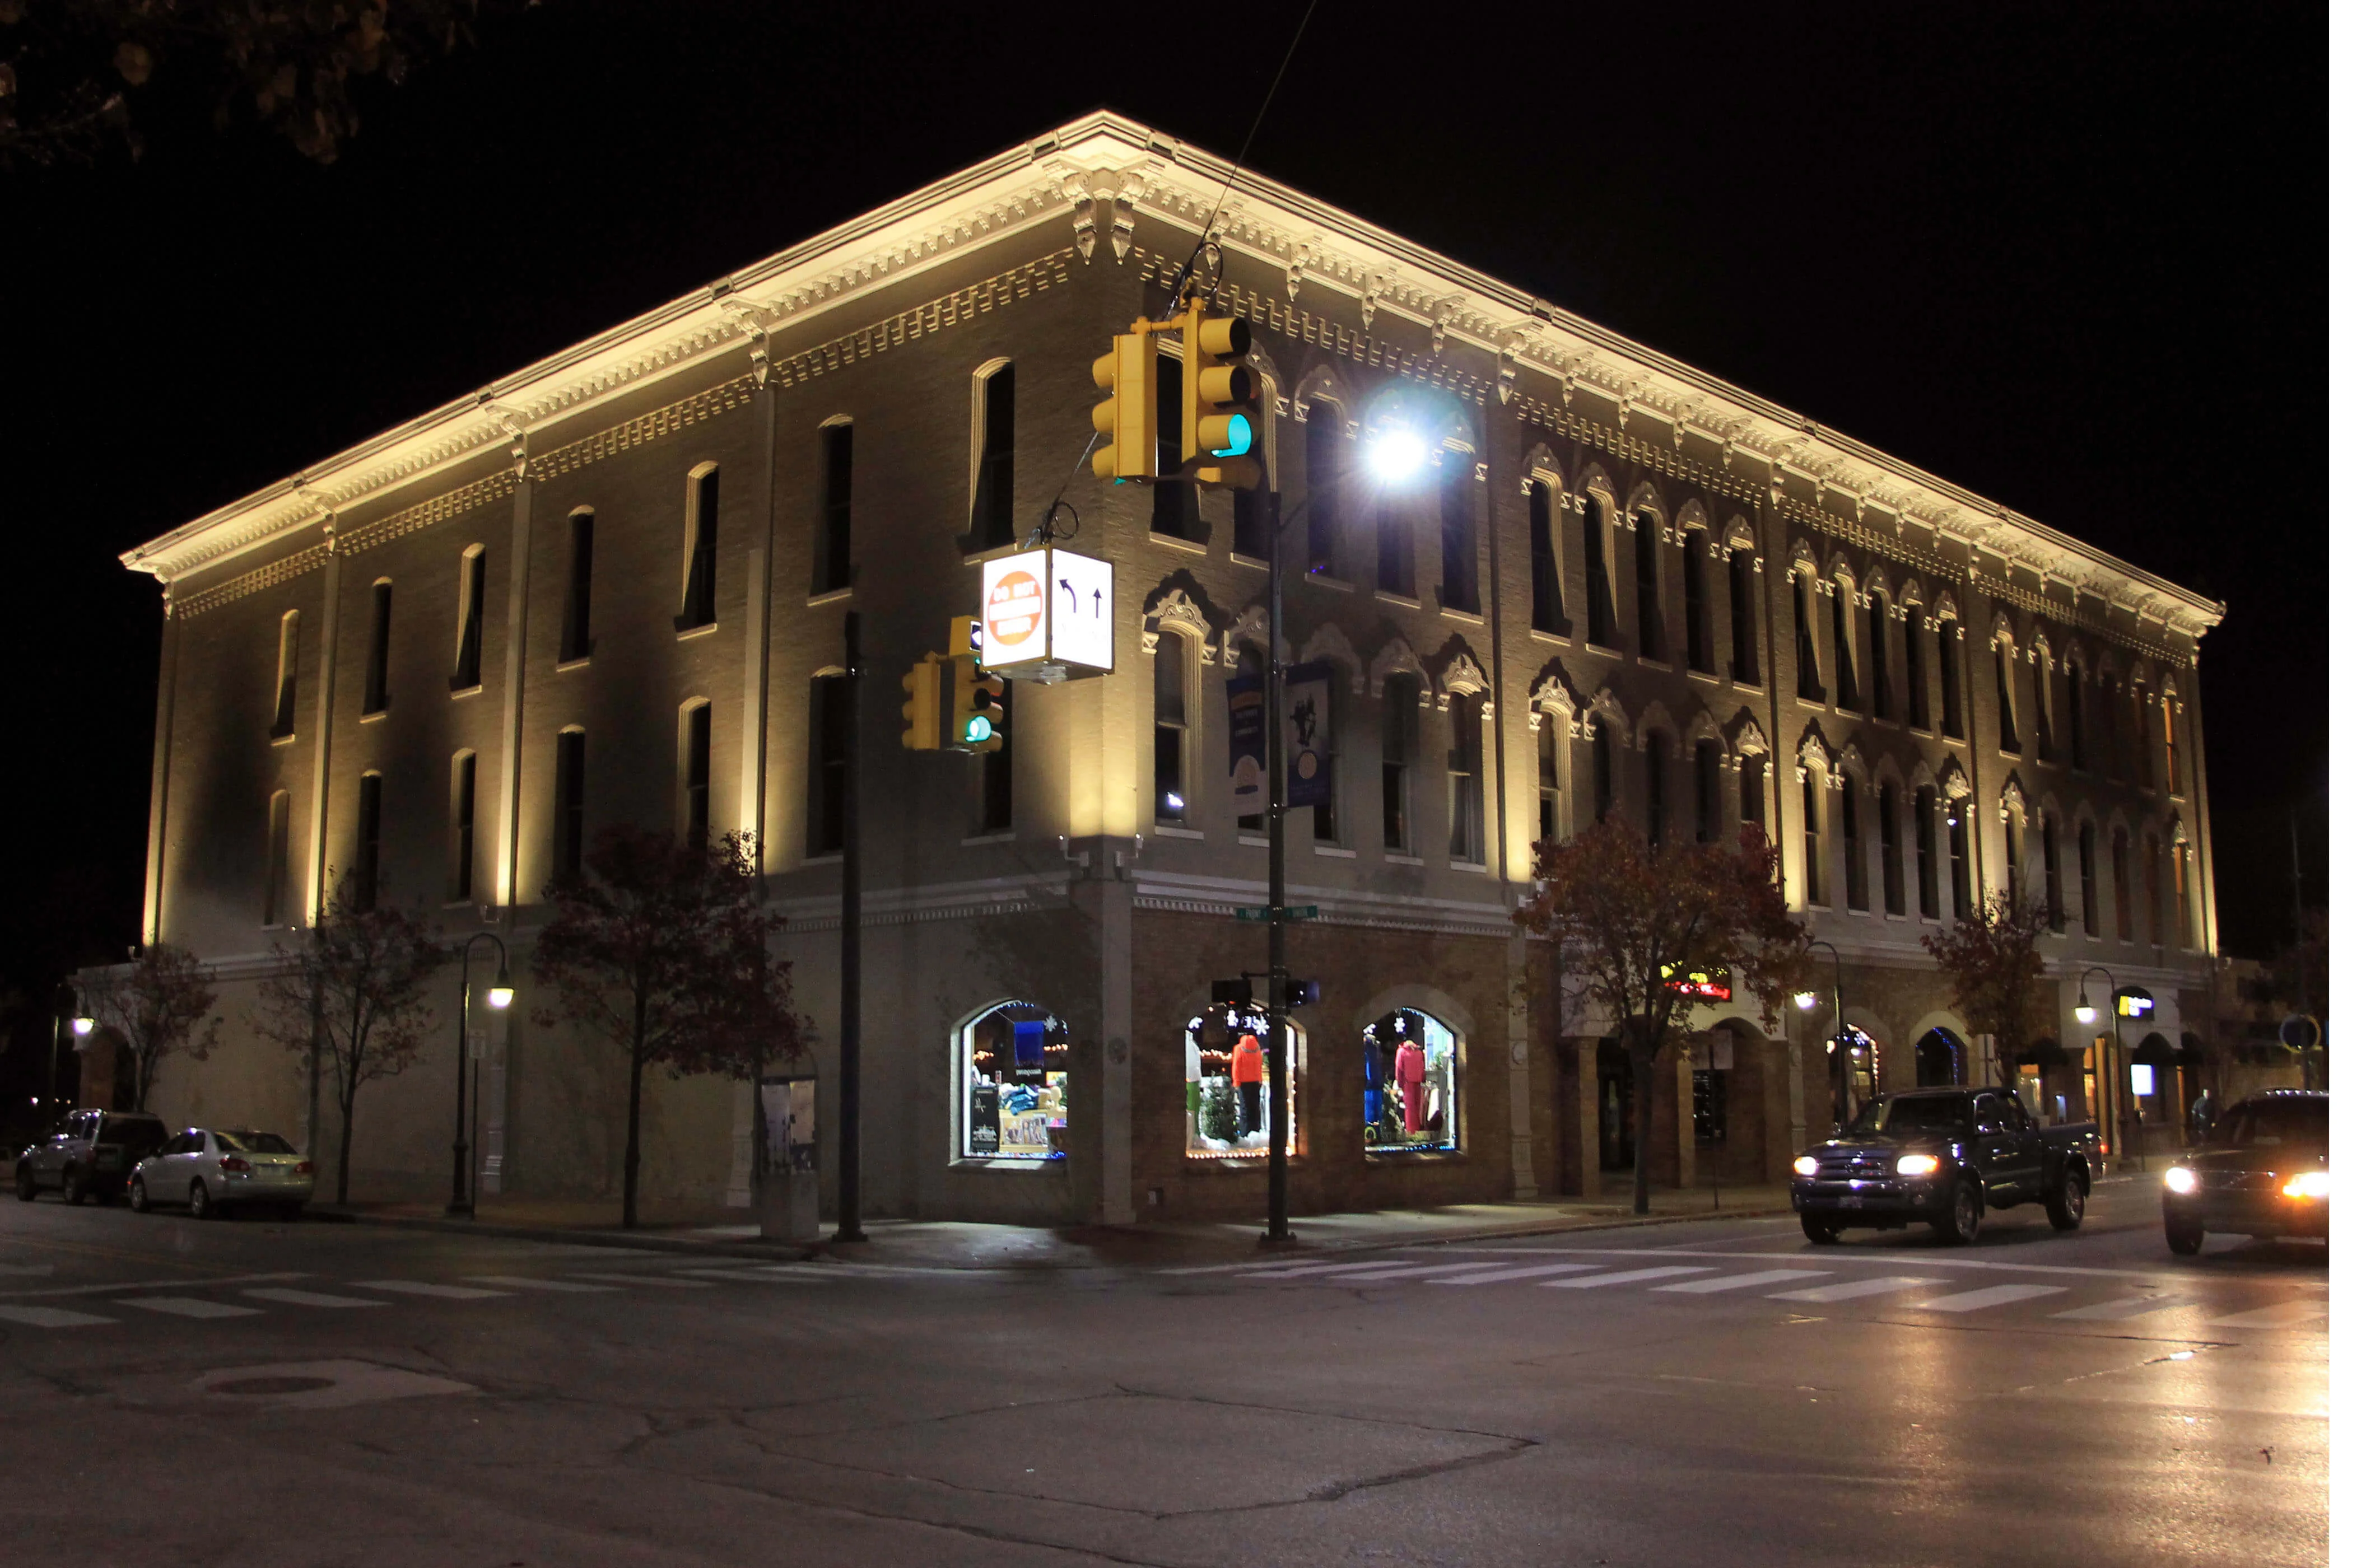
1014	1085
1228	1077
1412	1067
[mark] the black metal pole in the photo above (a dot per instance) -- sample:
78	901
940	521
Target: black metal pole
464	1193
1277	804
849	959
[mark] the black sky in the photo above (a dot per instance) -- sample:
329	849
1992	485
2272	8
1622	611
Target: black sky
2071	257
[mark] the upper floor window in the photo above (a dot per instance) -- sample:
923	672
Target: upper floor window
2168	738
283	700
993	795
1548	797
2152	889
1893	853
1171	744
1876	653
2041	705
2008	727
2141	730
2182	866
1325	475
697	771
829	702
1699	654
460	875
1331	716
374	661
1844	645
567	845
1742	587
2120	895
1400	757
2074	699
1606	774
1256	511
1926	850
1959	856
2050	847
1601	603
1465	818
469	648
993	481
834	534
1754	789
1651	639
1704	792
1811	677
1174	508
1951	679
276	905
1852	844
1918	678
698	546
1546	610
1458	533
2088	915
1251	677
1655	789
1393	536
2014	890
575	621
366	824
1811	834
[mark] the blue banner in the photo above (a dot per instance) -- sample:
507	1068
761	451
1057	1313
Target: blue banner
1245	707
1306	734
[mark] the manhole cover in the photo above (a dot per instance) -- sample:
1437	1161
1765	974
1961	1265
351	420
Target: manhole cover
271	1385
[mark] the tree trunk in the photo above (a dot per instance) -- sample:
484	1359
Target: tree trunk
633	1144
345	1092
1639	1063
756	1137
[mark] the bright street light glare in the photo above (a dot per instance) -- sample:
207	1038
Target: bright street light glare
1806	999
1396	454
2084	1014
84	1025
499	996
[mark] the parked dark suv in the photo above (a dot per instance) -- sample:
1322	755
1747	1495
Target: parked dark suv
88	1154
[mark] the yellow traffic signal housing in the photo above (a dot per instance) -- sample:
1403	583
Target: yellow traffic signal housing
923	707
1129	417
978	712
1219	423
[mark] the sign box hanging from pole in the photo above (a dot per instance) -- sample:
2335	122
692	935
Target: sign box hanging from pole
1047	615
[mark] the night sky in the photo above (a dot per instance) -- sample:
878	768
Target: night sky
2071	257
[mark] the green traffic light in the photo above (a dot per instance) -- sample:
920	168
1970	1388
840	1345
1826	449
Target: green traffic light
979	728
1241	435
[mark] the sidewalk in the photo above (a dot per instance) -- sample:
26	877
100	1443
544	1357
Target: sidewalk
960	1245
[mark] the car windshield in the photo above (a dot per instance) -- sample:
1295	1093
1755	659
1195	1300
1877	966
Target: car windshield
2267	1123
253	1143
1921	1113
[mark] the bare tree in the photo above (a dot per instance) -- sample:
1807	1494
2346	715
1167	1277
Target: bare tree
156	1006
358	991
1991	961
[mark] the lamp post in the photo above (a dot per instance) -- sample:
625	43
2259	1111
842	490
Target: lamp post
2085	1013
1806	1001
497	996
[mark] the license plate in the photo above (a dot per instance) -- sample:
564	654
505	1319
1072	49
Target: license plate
1852	1203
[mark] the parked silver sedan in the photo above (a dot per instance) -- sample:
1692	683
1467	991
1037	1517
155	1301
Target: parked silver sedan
216	1170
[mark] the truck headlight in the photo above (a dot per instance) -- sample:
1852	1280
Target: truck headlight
1917	1164
2180	1179
1805	1165
2310	1184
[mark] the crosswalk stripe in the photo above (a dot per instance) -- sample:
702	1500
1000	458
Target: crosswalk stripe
309	1298
51	1317
521	1282
1295	1271
1743	1281
1490	1276
1624	1277
2127	1306
2286	1315
1404	1273
421	1287
753	1277
650	1279
190	1306
1994	1295
1851	1290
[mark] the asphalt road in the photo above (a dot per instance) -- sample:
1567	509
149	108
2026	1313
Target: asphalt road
189	1392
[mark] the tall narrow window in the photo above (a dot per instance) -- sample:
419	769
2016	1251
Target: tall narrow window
2008	730
834	532
697	771
1606	774
1458	533
1918	675
1327	810
1959	856
1173	509
1655	789
2107	712
1548	803
2120	898
1852	844
374	663
2074	698
827	723
2152	889
1811	679
1876	653
2182	865
1699	654
1393	534
1754	789
2175	781
1811	834
1893	853
698	545
1649	637
2041	705
469	650
1252	669
575	623
1255	511
1601	604
1545	611
1171	698
1951	680
2049	843
994	768
1704	792
567	848
1844	645
282	698
2012	879
1466	825
1926	850
1742	587
1400	756
991	499
460	876
276	905
2140	732
1322	482
366	821
2088	915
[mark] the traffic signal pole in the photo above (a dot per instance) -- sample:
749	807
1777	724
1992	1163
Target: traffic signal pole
1277	804
850	956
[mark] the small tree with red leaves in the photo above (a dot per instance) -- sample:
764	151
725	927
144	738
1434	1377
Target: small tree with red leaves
1990	959
1625	917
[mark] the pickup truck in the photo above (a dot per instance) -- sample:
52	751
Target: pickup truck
1942	1158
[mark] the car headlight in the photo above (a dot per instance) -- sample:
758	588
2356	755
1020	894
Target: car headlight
1805	1165
1917	1164
2310	1184
2180	1179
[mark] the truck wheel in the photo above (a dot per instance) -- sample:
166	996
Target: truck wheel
25	1188
1821	1231
2066	1205
1961	1224
2184	1236
76	1189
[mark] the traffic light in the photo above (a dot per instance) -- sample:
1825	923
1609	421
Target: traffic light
1220	391
977	706
1129	415
923	707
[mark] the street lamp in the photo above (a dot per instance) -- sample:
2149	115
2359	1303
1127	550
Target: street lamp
1806	1002
497	996
2085	1013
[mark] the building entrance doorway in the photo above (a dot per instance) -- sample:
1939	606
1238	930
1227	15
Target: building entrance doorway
1938	1060
1615	1081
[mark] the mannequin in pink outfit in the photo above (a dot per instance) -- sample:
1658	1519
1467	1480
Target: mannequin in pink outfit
1409	1069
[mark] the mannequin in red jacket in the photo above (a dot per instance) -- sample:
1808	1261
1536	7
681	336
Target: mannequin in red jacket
1248	1078
1411	1069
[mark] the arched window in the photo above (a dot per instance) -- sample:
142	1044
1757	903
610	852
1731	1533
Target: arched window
1313	683
1228	1084
1951	679
1651	639
1411	1083
1852	844
1250	680
1741	590
1550	822
994	437
367	822
1754	789
1601	603
1466	822
276	905
1606	773
374	661
1399	759
700	523
575	623
461	872
1926	850
828	702
1391	514
468	644
2168	738
282	698
1011	1063
1893	853
1324	474
1811	834
1655	789
696	771
1705	792
1811	677
1699	654
2008	729
1844	645
2090	915
2140	731
1959	856
2012	881
2152	922
566	846
2073	696
1173	509
2126	919
2041	705
1171	670
1457	532
2182	867
1917	676
1546	610
1938	1060
2050	845
834	525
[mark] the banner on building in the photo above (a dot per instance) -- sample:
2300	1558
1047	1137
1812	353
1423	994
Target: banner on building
1306	734
1245	707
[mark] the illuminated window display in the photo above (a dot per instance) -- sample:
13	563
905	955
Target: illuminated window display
1014	1085
1228	1075
1412	1085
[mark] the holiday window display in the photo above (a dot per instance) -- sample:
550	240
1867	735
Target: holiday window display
1412	1074
1229	1068
1014	1061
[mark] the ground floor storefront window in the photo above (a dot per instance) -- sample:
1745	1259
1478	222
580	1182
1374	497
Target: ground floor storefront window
1013	1065
1229	1075
1412	1085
